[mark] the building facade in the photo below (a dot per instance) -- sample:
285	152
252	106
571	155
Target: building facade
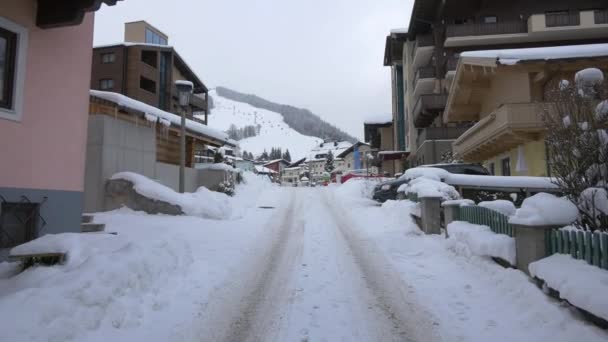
145	68
508	99
43	126
440	31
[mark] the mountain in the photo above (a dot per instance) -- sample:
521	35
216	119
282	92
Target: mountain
264	129
301	120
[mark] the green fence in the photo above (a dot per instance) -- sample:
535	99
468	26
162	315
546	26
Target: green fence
498	222
588	246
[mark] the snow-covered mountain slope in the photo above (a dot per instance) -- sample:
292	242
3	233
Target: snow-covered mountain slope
274	131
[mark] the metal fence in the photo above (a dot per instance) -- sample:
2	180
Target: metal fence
498	222
588	246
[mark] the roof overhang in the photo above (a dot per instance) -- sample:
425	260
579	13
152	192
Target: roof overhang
53	13
393	48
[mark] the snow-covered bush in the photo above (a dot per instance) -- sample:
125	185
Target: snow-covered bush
577	144
545	209
226	187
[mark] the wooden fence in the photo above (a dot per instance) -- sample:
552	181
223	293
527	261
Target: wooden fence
498	222
588	246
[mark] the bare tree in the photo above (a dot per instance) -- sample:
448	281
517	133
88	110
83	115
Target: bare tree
576	140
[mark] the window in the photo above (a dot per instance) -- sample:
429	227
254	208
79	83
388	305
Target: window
506	167
12	68
154	38
492	169
108	57
106	84
8	46
147	84
149	57
490	19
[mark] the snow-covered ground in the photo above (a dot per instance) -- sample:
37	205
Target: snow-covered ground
325	264
274	131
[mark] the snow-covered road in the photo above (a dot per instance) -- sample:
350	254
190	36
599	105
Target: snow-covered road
318	285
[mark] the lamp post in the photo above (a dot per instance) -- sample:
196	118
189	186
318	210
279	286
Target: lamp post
184	90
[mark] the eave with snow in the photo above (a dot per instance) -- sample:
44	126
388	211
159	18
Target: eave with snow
505	91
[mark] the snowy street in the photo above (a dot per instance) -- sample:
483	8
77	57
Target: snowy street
321	264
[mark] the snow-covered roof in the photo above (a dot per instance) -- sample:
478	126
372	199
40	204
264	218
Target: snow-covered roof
275	161
152	113
400	30
262	169
378	118
336	149
132	44
514	56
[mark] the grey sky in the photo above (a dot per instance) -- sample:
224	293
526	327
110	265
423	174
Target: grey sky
324	55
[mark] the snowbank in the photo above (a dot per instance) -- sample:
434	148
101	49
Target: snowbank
502	206
203	203
545	209
425	187
57	243
218	166
581	284
482	241
357	188
459	202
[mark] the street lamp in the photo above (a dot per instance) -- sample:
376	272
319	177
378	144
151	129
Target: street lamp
184	90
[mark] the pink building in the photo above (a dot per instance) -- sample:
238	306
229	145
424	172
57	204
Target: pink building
45	70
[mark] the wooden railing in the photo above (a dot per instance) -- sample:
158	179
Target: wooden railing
601	16
562	19
484	29
498	222
588	246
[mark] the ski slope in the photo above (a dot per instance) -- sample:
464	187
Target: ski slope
274	131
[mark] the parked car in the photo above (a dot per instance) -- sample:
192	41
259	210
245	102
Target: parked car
388	190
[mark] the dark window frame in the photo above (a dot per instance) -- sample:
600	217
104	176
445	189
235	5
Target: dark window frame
9	68
106	84
110	60
506	166
147	58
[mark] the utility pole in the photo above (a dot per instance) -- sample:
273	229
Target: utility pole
184	89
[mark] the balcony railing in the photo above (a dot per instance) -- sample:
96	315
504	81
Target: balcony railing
601	16
562	19
423	40
427	107
439	133
500	131
486	29
424	72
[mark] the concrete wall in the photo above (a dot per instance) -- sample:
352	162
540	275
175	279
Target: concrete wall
116	145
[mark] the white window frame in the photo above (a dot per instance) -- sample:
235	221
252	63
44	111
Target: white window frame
16	113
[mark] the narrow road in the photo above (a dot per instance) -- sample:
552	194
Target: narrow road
320	282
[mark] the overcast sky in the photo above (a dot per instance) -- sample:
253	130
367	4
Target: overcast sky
324	55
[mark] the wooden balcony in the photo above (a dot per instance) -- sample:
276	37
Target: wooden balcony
506	128
439	133
600	16
486	29
424	80
427	107
562	19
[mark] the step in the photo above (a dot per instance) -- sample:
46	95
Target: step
86	218
92	227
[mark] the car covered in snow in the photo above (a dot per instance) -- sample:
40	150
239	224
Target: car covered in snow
388	190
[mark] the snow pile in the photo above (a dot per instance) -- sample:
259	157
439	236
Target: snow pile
502	206
397	214
54	243
514	56
203	203
482	241
524	182
583	285
357	188
458	202
380	118
425	187
545	209
150	111
218	166
426	172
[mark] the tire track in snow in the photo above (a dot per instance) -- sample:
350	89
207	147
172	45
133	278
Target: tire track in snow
396	299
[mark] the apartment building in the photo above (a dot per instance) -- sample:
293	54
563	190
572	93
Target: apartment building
144	67
507	92
43	116
380	137
439	31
